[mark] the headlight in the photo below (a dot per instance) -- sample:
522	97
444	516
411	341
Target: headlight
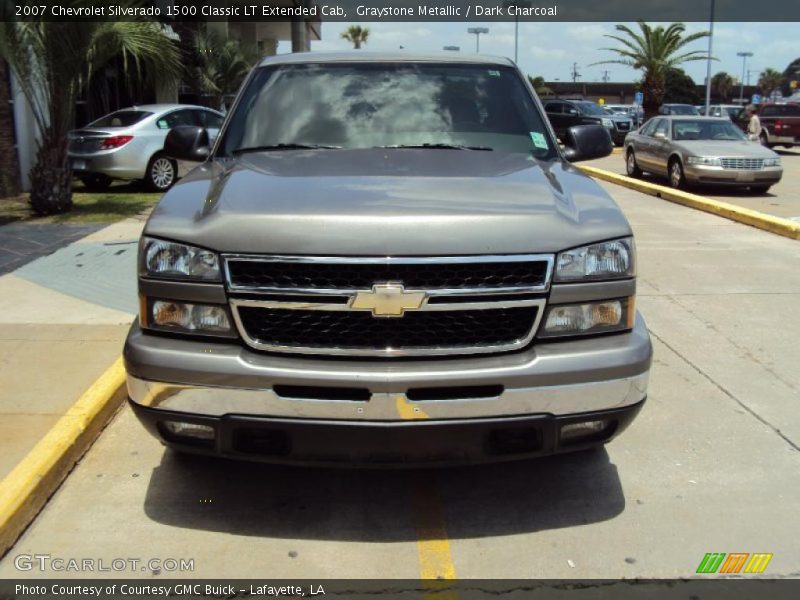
607	122
772	162
708	161
607	260
183	317
170	260
590	318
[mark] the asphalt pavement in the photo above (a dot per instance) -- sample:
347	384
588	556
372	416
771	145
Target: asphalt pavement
712	464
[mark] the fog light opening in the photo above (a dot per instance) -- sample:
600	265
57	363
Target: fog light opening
582	432
189	431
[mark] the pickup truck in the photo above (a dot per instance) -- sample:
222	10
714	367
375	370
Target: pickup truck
386	259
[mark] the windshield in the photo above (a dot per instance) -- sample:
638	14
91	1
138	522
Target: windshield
590	108
121	118
706	130
365	105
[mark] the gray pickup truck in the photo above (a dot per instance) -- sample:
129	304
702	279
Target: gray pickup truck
387	259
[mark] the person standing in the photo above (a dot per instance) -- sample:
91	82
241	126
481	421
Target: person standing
753	124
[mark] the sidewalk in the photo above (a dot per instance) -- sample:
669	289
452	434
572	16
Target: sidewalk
63	320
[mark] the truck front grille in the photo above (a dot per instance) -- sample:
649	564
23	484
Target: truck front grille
326	305
360	331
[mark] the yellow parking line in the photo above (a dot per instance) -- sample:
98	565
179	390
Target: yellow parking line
433	546
26	489
784	227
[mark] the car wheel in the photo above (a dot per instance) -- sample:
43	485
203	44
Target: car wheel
764	140
760	189
96	182
631	167
161	173
676	177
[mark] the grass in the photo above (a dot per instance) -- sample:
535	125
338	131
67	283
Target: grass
120	201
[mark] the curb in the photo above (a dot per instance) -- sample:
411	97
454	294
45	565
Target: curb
28	487
777	225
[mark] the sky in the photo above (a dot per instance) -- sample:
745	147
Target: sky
549	49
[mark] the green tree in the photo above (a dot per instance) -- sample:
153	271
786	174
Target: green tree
680	88
221	66
356	35
654	51
721	85
54	62
539	86
769	80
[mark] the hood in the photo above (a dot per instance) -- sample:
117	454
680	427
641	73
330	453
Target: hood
382	202
726	148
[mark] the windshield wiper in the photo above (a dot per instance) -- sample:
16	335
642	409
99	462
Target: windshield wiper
439	146
269	147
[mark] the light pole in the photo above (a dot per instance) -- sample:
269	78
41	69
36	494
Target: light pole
520	4
708	66
744	56
478	31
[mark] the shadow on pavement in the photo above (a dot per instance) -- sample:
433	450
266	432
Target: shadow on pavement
382	505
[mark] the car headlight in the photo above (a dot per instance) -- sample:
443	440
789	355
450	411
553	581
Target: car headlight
171	260
607	122
184	317
708	161
772	162
588	319
606	260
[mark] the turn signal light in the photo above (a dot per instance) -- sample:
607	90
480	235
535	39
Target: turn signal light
115	141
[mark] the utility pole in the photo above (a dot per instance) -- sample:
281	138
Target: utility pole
575	75
708	63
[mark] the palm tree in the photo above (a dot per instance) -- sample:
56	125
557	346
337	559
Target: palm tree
722	84
769	81
356	35
53	63
222	65
654	50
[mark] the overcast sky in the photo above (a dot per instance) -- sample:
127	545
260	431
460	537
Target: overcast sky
549	49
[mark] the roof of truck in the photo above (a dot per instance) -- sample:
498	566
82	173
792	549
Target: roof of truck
361	56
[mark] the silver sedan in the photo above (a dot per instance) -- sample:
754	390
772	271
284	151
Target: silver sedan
128	144
700	150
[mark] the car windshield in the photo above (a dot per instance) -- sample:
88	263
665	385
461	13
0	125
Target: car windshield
682	109
388	105
706	130
590	108
121	118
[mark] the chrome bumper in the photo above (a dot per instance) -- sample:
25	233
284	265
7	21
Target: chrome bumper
559	378
706	174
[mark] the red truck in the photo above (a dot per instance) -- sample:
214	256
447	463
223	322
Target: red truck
780	124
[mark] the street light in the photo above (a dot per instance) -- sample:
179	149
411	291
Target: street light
708	65
744	56
521	4
478	31
452	48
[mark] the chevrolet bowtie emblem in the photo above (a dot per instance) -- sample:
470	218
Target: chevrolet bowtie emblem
388	300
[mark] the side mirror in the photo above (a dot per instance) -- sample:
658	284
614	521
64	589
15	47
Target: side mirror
660	135
585	142
187	142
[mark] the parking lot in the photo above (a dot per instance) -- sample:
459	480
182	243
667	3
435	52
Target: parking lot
710	465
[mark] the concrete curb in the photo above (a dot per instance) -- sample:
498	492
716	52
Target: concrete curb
777	225
27	488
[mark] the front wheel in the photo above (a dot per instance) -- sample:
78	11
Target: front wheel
677	179
161	173
764	140
631	167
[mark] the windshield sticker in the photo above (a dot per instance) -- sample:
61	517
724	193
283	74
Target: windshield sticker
494	73
539	140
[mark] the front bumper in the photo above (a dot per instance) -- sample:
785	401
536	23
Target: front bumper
720	176
227	384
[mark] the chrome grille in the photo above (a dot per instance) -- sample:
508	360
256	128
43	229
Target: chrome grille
471	305
750	164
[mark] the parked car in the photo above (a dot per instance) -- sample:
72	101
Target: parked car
780	124
700	150
564	114
129	143
678	109
402	267
731	111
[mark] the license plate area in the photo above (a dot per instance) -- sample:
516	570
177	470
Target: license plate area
745	176
77	165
